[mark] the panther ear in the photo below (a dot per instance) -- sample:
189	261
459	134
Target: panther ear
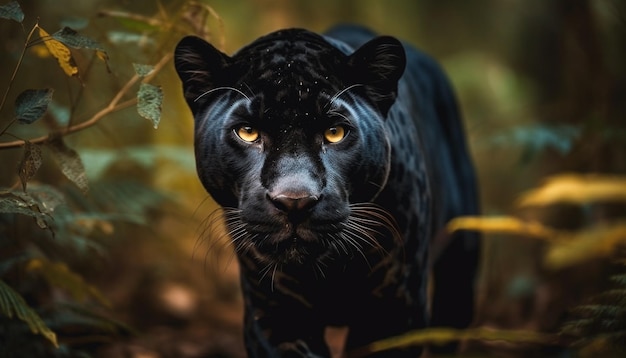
379	64
201	67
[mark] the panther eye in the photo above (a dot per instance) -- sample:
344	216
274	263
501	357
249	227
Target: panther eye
334	134
247	133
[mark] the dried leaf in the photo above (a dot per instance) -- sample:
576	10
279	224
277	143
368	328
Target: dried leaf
60	52
502	225
70	163
12	304
143	70
30	163
577	247
12	11
440	336
149	99
576	189
31	105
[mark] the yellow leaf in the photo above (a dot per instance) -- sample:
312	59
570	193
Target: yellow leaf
40	51
60	52
576	189
446	335
502	225
580	246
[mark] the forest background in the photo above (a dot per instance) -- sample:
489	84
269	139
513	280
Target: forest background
103	245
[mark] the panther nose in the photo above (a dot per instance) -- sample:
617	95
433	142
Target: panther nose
293	202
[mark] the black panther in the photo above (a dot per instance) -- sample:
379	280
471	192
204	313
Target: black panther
337	159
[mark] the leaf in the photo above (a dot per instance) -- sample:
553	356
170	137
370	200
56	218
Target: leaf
576	189
502	225
75	40
12	11
445	335
60	52
13	305
577	247
15	202
31	104
149	99
30	163
142	70
123	38
69	161
536	138
71	38
59	275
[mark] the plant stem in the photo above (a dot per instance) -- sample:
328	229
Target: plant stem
17	66
113	106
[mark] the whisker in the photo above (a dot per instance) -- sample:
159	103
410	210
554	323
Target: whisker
335	113
333	98
222	88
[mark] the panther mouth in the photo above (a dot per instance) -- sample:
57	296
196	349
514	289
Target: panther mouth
299	247
366	231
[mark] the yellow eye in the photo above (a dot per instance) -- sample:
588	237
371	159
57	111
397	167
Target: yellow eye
247	134
334	134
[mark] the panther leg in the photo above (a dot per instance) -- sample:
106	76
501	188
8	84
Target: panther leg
277	325
387	317
454	279
293	335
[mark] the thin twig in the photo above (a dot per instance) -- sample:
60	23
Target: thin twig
113	106
19	63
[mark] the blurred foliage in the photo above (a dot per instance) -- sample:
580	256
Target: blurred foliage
50	229
94	224
599	327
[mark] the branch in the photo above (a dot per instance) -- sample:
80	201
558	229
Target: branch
19	63
113	106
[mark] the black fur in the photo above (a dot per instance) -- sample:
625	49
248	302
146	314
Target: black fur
334	233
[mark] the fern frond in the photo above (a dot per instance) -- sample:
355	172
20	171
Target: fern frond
619	279
615	297
600	311
13	305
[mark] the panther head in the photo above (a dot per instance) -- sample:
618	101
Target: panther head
290	139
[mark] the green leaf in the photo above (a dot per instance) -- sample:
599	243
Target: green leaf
12	11
30	163
31	104
15	202
149	99
12	304
70	163
129	38
536	138
143	70
75	40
